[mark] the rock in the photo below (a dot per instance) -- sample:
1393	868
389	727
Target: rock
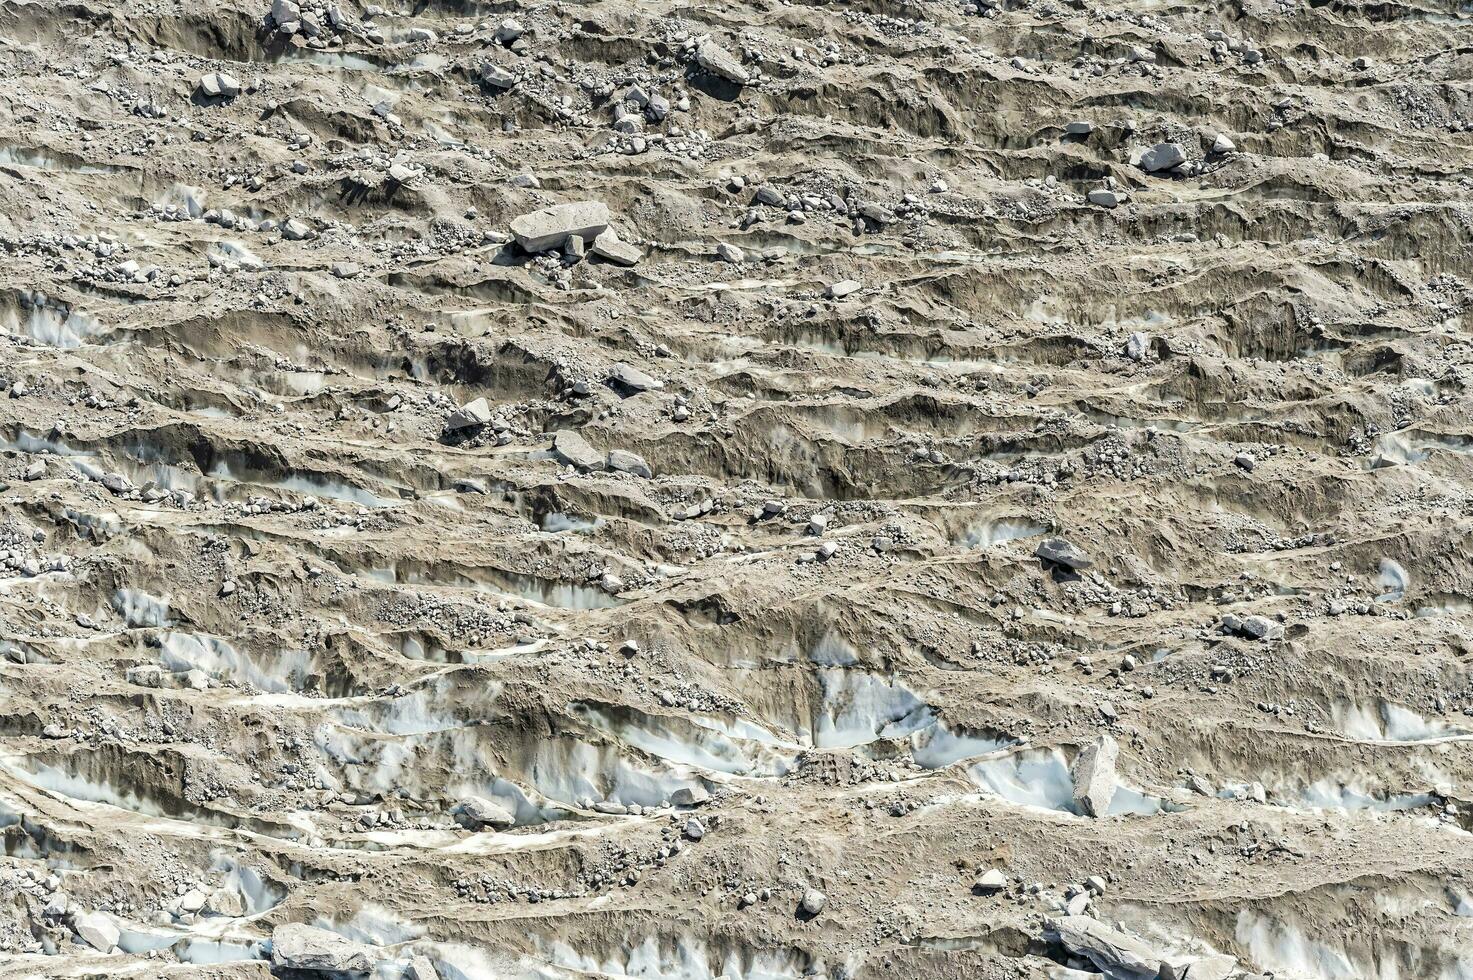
1251	627
192	900
548	228
839	290
1261	628
1112	951
1137	346
477	813
991	881
227	902
402	174
420	968
298	946
296	230
1061	552
627	462
814	901
1244	462
1079	128
469	415
769	195
608	246
497	77
345	270
730	253
97	930
1093	773
1221	144
1215	967
1102	197
633	379
694	829
219	85
712	57
1163	156
573	449
690	796
285	11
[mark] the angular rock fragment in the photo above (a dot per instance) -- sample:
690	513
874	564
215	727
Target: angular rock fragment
712	57
1252	627
1110	950
98	930
285	11
298	946
1163	156
497	77
627	462
1214	967
633	379
219	85
608	246
1137	346
1093	773
469	415
548	228
295	230
990	881
690	796
1061	552
477	812
573	449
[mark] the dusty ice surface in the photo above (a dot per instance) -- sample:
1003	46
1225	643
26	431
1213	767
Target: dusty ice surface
918	426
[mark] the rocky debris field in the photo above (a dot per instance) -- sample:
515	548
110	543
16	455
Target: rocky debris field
765	490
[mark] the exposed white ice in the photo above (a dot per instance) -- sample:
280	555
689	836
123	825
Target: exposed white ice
48	322
1040	778
860	708
1387	722
283	671
569	770
1335	795
1394	579
704	743
1285	949
141	609
304	484
991	533
686	958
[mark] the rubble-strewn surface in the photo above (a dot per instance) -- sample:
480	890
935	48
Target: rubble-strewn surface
942	489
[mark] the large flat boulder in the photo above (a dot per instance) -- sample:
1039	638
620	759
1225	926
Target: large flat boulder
548	228
1111	950
570	447
298	946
